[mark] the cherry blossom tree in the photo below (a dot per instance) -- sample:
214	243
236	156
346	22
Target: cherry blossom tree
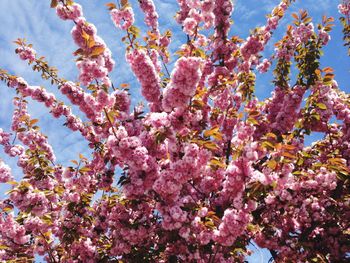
206	167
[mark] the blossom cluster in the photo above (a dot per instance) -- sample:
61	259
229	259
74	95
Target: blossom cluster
96	62
256	42
12	231
57	108
183	84
283	109
69	12
145	71
10	149
198	12
124	18
222	12
151	16
26	53
5	173
344	8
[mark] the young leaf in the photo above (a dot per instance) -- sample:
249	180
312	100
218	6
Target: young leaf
54	3
123	3
84	169
97	51
321	106
85	35
111	6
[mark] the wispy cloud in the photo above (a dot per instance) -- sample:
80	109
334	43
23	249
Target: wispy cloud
36	22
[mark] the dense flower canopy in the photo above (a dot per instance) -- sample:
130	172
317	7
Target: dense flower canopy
204	170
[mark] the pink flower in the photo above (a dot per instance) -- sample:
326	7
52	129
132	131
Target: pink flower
344	8
5	173
264	66
26	53
203	212
145	71
183	84
151	18
69	12
324	37
189	26
124	18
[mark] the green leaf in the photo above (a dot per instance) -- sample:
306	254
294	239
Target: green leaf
307	20
321	106
85	35
268	145
271	164
32	122
97	51
300	161
200	53
217	162
252	121
214	132
134	31
210	145
84	169
288	155
7	209
47	219
12	182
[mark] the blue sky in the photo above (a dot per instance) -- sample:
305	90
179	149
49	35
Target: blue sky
38	23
